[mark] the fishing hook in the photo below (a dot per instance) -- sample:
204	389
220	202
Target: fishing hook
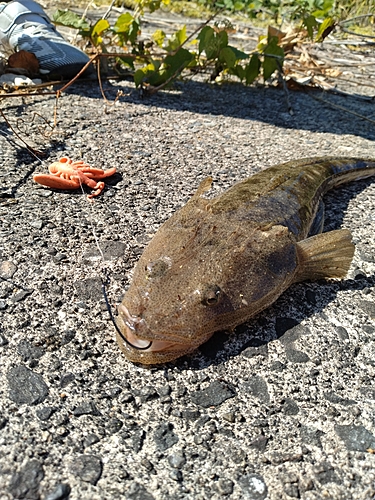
114	321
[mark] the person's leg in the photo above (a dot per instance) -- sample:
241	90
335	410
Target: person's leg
25	26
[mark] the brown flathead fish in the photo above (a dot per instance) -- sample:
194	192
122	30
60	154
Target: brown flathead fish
216	263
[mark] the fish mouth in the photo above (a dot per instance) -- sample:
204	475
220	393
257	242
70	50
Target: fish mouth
138	345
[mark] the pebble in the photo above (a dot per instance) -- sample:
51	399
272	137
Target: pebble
37	224
3	339
229	417
257	386
138	492
190	414
25	483
225	486
368	307
256	348
334	398
291	490
177	460
260	443
59	257
28	351
277	366
43	193
311	436
51	251
110	249
325	473
147	393
61	492
214	395
355	437
3	305
164	436
7	269
138	436
67	337
21	295
90	439
45	413
342	332
3	422
113	425
296	356
88	468
290	407
67	379
86	408
368	329
253	487
26	386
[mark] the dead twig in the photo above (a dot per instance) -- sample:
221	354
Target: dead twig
284	86
342	108
92	59
33	151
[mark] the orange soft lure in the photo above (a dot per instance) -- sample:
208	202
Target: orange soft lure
69	174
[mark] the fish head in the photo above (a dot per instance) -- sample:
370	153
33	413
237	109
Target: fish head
197	280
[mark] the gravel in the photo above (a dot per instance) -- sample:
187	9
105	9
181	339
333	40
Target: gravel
281	408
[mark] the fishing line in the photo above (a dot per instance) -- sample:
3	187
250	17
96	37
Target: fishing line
106	281
13	143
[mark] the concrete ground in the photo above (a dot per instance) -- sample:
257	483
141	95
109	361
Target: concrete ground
281	408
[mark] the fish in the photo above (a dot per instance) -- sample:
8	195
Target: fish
216	263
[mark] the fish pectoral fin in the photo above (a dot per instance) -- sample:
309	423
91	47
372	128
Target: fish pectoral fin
326	255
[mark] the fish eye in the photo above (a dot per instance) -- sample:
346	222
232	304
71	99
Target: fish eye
157	268
211	295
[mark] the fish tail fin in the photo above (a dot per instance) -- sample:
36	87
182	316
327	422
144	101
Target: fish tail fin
326	255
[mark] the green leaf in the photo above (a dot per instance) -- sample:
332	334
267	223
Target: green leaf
158	37
205	38
178	61
325	28
126	28
272	63
123	23
139	76
70	20
239	71
323	8
142	74
129	61
177	40
310	23
211	43
222	39
252	69
99	27
227	57
239	54
181	35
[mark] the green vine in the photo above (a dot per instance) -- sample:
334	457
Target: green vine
162	59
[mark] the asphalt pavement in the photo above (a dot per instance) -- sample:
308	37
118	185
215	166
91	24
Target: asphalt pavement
283	407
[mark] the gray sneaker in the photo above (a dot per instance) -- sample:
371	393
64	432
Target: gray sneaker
25	26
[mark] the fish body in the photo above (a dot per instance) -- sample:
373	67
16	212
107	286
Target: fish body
217	262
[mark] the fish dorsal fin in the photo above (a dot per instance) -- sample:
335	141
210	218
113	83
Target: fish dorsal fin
204	186
326	255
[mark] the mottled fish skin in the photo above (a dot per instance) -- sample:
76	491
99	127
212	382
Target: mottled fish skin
216	263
